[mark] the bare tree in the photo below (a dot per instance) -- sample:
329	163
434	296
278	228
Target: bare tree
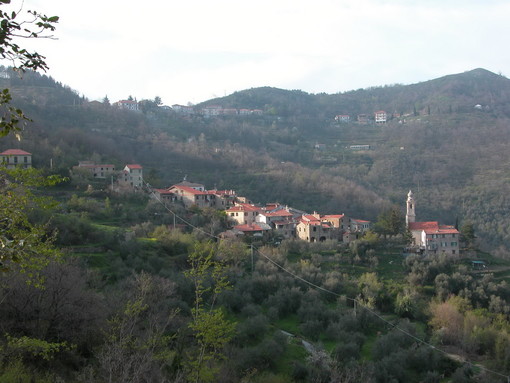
136	347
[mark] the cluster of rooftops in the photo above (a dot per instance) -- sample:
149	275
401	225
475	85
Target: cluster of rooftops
248	218
252	219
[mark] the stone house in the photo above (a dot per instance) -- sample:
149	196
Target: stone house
244	213
280	220
131	175
96	170
194	194
311	228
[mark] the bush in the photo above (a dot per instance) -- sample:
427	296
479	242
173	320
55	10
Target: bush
286	300
346	351
312	329
299	372
17	372
263	356
252	329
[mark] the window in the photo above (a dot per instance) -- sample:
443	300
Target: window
454	244
25	159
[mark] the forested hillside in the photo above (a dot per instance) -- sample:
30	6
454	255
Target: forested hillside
452	154
99	286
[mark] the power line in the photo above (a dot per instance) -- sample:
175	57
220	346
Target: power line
355	301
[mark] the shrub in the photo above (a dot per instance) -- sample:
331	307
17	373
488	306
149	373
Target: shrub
252	329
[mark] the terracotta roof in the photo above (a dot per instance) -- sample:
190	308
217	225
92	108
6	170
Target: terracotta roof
278	213
333	216
163	191
444	230
432	227
134	166
313	223
251	227
244	207
309	218
15	152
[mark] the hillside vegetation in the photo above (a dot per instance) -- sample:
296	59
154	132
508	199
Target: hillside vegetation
454	156
127	289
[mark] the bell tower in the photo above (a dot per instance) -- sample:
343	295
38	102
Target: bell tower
411	208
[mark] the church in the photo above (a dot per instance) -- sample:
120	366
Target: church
430	237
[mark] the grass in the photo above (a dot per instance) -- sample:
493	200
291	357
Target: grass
328	344
108	228
390	267
289	323
294	352
366	350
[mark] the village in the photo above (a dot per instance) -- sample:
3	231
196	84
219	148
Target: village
249	219
378	117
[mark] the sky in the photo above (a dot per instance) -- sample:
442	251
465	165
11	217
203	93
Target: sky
190	51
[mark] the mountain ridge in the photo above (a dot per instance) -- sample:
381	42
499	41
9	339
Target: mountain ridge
477	86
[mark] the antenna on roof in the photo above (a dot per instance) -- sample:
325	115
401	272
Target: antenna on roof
185	176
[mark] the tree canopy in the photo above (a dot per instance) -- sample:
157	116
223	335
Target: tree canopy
15	26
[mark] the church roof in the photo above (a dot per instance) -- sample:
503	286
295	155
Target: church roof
432	227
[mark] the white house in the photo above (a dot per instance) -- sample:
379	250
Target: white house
12	158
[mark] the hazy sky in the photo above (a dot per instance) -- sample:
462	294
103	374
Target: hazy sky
193	50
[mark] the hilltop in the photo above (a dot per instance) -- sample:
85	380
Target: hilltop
458	92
